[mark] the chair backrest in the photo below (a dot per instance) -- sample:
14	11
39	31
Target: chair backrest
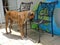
25	6
47	7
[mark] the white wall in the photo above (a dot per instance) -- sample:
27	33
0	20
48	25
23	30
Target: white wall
12	4
15	4
2	18
34	2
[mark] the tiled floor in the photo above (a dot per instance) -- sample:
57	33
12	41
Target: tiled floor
32	39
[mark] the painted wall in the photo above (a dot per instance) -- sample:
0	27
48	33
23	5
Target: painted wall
1	12
56	12
12	4
57	16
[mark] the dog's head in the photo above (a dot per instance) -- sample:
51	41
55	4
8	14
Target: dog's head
30	15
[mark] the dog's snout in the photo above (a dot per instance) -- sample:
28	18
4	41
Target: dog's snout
32	14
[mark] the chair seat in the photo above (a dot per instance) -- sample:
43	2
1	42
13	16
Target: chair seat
46	15
39	21
46	21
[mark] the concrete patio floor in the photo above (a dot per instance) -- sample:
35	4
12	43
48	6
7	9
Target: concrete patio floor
32	38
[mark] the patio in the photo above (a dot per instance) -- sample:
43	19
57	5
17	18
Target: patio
32	38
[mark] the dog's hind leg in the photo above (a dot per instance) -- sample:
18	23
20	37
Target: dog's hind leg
6	19
10	26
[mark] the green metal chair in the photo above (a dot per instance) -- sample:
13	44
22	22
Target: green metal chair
45	9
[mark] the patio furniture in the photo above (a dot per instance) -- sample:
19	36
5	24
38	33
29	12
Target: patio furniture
45	9
25	6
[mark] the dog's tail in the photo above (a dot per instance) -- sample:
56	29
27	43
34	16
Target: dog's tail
5	10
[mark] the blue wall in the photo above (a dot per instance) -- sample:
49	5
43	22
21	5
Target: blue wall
58	6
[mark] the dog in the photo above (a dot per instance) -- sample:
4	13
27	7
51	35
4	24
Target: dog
19	17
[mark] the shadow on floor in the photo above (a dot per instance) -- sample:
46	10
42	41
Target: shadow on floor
12	36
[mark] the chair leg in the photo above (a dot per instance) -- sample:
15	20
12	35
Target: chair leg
52	30
39	34
26	29
30	24
52	26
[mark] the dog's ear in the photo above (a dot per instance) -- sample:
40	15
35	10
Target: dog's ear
31	16
30	13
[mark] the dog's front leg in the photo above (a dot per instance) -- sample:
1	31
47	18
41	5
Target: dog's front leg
21	30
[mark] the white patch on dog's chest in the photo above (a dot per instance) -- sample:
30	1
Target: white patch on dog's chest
25	21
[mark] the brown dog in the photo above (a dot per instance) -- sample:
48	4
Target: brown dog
19	17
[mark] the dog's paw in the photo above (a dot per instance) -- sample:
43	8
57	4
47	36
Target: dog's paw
22	37
25	36
10	32
7	33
